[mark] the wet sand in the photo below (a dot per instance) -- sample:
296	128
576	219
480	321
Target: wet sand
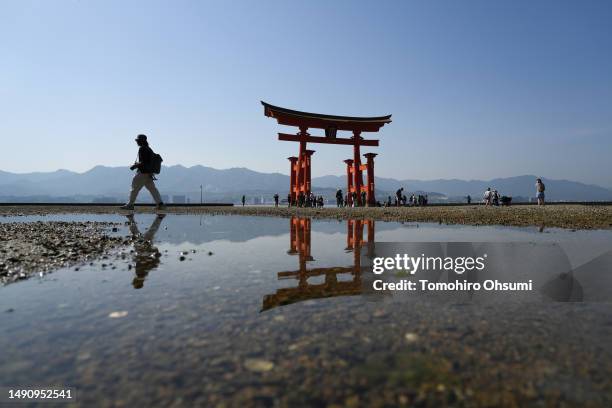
27	249
559	216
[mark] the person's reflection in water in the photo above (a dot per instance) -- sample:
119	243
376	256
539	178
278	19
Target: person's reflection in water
146	255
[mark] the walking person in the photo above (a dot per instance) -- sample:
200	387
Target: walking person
276	200
243	200
146	169
486	198
540	188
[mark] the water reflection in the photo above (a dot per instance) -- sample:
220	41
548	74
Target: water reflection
146	255
300	245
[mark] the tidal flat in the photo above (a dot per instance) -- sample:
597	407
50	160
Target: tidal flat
571	216
217	310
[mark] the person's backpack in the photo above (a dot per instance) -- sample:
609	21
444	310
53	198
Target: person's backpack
156	161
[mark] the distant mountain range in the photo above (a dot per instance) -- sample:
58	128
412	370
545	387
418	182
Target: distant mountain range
223	185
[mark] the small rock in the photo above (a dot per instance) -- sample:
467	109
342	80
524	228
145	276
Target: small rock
258	365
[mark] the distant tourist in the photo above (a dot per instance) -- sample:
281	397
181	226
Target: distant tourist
486	198
289	203
540	188
339	198
354	198
398	196
243	200
469	199
495	198
147	166
363	198
276	200
389	201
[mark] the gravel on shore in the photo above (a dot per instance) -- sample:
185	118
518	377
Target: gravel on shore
38	247
562	216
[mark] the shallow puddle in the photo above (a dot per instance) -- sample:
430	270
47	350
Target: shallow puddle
257	311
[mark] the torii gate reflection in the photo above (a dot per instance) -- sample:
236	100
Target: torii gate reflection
299	244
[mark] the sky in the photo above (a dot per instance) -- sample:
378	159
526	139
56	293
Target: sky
477	89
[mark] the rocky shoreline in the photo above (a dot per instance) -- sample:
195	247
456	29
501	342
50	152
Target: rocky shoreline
30	248
570	216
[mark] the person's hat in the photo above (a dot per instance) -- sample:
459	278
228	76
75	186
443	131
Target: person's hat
141	138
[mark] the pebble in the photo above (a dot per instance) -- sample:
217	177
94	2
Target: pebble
48	240
258	365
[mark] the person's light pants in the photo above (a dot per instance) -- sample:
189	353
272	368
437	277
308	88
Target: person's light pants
141	180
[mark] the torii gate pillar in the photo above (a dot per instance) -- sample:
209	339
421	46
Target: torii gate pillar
293	171
307	173
370	169
349	182
357	167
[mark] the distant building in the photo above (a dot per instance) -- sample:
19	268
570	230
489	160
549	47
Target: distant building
178	199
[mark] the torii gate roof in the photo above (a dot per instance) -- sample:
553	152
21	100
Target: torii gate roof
291	117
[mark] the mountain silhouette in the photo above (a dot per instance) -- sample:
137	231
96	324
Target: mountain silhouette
115	181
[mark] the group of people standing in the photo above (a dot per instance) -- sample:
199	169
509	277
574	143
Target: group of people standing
346	200
490	197
402	200
304	200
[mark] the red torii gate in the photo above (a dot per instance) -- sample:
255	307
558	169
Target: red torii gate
301	165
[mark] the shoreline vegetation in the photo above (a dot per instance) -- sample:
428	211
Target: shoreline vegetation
570	216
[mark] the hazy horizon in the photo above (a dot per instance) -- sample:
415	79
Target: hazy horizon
477	90
342	175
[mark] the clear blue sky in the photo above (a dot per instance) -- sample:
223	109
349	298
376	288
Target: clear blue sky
477	89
